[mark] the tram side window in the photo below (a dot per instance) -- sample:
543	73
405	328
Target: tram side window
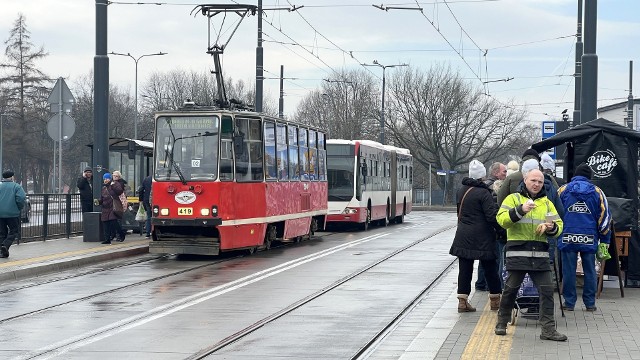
303	152
294	163
226	150
249	165
270	150
322	157
282	155
313	156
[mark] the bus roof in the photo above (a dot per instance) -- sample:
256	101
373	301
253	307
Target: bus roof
370	143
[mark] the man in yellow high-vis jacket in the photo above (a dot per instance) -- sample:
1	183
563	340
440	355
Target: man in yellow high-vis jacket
529	217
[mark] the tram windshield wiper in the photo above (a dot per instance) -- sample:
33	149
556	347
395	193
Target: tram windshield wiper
169	154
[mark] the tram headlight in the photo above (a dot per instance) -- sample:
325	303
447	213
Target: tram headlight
164	212
214	210
204	212
349	211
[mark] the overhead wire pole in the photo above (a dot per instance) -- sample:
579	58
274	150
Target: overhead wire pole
384	68
578	68
135	123
259	61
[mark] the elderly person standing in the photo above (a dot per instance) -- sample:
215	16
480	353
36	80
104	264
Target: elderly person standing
475	237
497	171
12	197
111	190
529	217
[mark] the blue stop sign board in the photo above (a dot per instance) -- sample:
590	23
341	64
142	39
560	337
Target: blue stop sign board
548	130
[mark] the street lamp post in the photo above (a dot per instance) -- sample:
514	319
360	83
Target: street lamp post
135	123
384	67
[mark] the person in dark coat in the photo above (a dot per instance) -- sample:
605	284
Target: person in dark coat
475	237
145	199
86	189
111	190
121	232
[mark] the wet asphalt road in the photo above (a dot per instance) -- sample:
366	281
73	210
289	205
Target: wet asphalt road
170	308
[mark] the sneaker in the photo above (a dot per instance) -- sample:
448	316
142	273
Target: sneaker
148	236
106	242
567	308
553	335
501	329
592	308
4	252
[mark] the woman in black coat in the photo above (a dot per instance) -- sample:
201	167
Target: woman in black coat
475	237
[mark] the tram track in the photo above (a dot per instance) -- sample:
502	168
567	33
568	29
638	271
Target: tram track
117	289
204	353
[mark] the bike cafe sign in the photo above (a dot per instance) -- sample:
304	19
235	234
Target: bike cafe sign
602	162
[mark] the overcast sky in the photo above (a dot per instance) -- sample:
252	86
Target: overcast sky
530	41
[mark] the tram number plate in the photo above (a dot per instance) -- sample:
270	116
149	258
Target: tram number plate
185	211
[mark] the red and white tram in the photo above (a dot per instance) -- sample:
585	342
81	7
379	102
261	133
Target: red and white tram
368	182
227	180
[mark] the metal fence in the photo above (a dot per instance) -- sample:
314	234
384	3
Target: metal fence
51	216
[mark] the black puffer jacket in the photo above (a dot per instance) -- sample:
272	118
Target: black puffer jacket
476	233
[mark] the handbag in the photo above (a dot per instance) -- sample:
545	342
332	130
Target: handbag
462	201
141	215
118	210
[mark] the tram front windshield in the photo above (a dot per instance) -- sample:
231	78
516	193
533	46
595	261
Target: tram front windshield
340	171
186	148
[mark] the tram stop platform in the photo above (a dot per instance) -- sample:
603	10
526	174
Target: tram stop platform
30	259
435	330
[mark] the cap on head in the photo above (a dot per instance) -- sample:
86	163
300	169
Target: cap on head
477	170
531	153
583	170
106	176
7	174
547	162
88	168
528	165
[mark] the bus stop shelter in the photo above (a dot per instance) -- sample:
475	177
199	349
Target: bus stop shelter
611	150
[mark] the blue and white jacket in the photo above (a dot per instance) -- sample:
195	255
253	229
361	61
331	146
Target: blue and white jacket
587	220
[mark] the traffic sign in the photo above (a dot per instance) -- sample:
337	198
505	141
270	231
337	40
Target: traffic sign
441	172
548	129
60	93
68	127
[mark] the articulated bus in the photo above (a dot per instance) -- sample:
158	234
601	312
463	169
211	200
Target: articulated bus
227	180
368	182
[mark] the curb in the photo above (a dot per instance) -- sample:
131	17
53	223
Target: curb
38	269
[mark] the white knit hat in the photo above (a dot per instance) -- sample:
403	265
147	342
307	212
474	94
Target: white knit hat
547	162
529	165
477	170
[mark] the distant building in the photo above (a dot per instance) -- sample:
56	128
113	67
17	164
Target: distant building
618	113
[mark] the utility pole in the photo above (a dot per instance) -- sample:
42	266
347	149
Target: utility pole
259	61
101	100
630	98
384	67
589	97
578	68
281	100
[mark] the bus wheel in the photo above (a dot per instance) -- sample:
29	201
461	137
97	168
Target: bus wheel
365	225
399	219
385	222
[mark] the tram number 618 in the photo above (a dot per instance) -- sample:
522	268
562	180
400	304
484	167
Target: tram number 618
185	211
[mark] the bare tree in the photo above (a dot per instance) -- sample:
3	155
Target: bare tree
446	122
25	94
346	106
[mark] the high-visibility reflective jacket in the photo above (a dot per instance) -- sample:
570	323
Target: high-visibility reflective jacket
525	250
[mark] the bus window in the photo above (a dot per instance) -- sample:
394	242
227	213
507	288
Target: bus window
294	163
282	155
270	150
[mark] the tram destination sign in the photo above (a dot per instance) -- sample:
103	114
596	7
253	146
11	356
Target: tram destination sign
189	123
